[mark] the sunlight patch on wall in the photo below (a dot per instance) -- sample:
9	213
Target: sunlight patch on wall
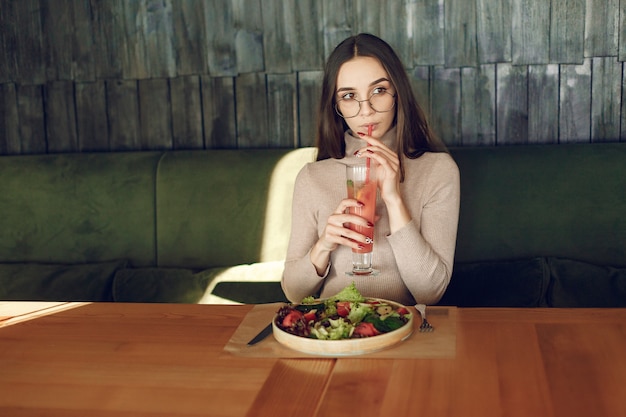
276	229
278	212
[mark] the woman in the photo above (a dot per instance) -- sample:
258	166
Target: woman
366	88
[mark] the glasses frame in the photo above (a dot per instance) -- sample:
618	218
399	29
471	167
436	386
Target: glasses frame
361	101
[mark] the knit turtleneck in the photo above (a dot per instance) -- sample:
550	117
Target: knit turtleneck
415	262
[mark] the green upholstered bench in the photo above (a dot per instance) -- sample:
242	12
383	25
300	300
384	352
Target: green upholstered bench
540	225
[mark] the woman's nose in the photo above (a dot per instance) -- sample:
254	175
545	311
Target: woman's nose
366	108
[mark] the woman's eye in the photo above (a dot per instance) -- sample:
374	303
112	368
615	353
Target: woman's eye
347	96
379	90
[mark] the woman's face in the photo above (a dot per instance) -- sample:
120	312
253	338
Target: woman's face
362	78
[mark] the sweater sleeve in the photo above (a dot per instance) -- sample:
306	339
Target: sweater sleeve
300	278
424	248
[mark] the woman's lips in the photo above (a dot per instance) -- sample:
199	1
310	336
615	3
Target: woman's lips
368	128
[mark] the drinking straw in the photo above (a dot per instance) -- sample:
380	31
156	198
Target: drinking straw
367	160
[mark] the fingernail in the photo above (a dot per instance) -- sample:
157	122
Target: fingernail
370	224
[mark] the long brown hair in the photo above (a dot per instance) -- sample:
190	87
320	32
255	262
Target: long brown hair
414	136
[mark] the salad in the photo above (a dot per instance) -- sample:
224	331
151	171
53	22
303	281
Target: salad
346	315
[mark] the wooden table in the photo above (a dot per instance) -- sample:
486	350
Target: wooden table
169	360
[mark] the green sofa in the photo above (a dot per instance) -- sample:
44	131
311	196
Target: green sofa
540	225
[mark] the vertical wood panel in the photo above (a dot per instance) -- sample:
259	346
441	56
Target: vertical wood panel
530	32
149	31
304	34
478	104
460	35
623	108
92	124
601	28
282	131
396	28
420	83
189	37
446	105
622	32
123	115
8	41
83	39
31	118
68	42
493	30
309	93
575	103
606	90
512	97
252	112
58	21
218	108
367	14
338	23
275	42
543	104
186	113
157	33
9	120
218	20
109	38
60	110
248	21
133	64
567	31
30	63
428	32
154	114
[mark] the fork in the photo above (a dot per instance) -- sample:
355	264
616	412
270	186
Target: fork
425	326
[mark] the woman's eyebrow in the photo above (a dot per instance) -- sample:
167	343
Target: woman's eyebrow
380	80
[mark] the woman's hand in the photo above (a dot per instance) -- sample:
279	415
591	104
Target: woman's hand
337	233
388	177
387	167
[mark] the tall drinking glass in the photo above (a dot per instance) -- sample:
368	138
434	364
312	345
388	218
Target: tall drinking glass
361	182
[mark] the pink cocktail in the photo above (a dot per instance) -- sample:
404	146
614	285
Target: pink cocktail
361	185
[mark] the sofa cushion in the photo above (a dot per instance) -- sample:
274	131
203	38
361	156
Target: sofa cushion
47	282
581	284
521	202
78	208
161	285
517	283
220	208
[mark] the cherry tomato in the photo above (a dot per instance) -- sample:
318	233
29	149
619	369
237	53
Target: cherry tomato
402	311
343	308
310	315
365	329
292	317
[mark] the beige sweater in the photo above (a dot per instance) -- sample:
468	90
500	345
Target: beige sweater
415	263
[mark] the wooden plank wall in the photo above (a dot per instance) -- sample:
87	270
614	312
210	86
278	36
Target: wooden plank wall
119	75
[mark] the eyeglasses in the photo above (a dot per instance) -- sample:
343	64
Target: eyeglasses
379	102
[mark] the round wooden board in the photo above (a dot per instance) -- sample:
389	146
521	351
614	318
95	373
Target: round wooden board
344	347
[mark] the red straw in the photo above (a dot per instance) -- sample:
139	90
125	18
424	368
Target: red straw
367	160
